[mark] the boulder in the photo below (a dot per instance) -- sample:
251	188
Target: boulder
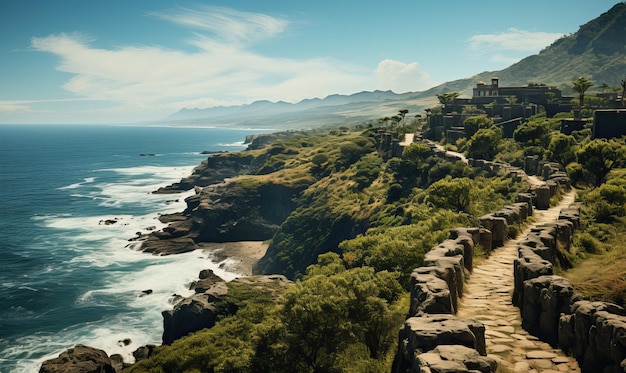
192	314
425	333
80	359
207	278
529	265
429	295
143	352
498	227
542	197
453	359
545	299
595	334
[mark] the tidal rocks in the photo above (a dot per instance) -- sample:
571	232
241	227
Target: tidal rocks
80	359
192	314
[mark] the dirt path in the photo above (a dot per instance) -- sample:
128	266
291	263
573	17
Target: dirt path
487	297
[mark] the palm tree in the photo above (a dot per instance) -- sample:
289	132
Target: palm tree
446	98
403	113
581	85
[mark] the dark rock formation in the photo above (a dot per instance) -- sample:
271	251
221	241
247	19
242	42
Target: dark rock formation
143	352
429	295
202	310
80	359
216	169
545	299
192	314
595	334
226	212
206	279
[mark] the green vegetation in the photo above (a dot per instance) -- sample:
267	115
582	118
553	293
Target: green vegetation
599	251
364	220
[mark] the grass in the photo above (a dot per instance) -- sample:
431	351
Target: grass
602	276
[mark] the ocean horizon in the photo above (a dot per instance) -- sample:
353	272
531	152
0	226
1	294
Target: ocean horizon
72	196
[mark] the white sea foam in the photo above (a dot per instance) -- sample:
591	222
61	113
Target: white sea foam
234	144
101	243
86	180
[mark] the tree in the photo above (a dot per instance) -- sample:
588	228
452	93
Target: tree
332	308
403	114
561	149
446	98
484	143
600	156
474	123
451	193
581	85
532	134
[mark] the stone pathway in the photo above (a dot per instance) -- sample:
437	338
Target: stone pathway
487	297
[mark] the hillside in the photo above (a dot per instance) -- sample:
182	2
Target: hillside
597	51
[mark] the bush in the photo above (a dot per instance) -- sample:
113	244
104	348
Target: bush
588	243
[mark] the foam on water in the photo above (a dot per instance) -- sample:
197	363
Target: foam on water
97	246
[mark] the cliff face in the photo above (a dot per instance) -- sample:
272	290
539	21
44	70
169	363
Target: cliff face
226	212
239	197
215	169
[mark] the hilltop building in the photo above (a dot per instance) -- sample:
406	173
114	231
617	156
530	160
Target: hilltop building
538	94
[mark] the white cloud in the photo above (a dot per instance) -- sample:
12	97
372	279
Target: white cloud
218	71
513	40
13	107
227	24
401	77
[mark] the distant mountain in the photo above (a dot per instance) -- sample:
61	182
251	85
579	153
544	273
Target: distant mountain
597	51
333	109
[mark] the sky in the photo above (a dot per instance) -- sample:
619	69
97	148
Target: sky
120	61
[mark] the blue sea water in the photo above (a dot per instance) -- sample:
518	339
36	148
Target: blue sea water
67	278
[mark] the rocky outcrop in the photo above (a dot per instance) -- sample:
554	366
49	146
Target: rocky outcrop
203	310
80	359
225	212
194	313
215	169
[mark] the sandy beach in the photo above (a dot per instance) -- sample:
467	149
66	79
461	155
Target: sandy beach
238	257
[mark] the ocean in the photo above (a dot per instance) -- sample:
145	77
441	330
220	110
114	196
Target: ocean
67	277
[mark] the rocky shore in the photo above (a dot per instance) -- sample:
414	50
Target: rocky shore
237	242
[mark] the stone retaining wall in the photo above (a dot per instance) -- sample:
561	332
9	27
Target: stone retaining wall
433	338
551	308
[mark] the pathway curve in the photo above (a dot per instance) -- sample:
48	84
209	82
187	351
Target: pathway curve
487	297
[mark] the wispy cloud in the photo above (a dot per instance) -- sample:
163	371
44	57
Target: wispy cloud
221	68
513	40
227	24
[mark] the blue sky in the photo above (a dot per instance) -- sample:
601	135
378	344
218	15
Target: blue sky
118	61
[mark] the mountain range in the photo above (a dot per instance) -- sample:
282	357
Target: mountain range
596	51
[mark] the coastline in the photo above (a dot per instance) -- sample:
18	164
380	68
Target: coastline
237	257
